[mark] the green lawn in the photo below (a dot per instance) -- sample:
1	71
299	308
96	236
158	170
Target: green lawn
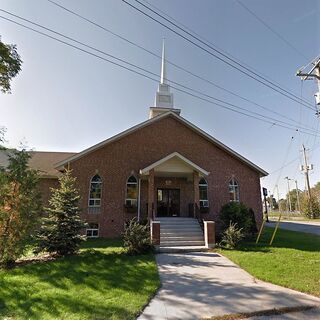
102	282
293	261
292	216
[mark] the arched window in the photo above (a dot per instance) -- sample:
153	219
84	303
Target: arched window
132	192
233	190
95	191
203	193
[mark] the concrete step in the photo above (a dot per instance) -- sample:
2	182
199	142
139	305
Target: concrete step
181	230
181	239
174	249
183	225
174	218
164	225
181	233
183	243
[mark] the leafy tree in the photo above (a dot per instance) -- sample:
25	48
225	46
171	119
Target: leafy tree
293	199
19	206
310	207
282	205
272	202
61	231
10	65
316	190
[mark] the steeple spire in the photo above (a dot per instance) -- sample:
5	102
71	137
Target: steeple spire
163	79
164	98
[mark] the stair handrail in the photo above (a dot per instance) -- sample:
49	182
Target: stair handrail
198	216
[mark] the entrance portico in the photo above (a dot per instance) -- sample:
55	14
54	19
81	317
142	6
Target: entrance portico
173	185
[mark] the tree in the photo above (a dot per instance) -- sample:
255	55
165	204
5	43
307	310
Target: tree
10	65
293	199
60	232
310	206
282	205
19	206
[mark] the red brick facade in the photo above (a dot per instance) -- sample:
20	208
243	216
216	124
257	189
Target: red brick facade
119	159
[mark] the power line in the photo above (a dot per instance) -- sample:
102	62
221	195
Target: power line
208	41
238	66
147	71
156	80
272	30
170	62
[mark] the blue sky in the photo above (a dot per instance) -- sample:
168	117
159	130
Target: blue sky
65	100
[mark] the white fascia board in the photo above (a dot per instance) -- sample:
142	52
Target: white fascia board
155	119
170	156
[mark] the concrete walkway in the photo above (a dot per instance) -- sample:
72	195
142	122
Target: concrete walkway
300	226
202	284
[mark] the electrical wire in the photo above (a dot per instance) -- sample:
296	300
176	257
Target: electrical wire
147	71
208	41
272	30
238	66
170	62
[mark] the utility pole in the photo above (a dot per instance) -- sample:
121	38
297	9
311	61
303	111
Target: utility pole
313	73
279	208
298	200
306	168
289	198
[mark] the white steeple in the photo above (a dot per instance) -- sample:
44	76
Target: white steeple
164	98
163	79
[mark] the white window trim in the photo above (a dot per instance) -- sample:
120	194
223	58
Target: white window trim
204	203
95	199
235	188
133	201
92	230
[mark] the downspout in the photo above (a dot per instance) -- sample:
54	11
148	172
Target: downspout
139	199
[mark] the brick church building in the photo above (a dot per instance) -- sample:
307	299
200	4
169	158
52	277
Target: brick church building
162	167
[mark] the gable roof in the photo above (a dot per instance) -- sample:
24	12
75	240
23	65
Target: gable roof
202	133
186	161
42	161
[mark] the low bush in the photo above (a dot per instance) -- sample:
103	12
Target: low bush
136	238
310	207
231	236
239	214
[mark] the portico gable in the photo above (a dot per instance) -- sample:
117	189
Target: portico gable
173	185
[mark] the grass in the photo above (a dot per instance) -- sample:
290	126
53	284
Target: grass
292	261
102	282
292	216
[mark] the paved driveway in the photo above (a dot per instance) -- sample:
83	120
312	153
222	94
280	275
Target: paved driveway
202	284
301	226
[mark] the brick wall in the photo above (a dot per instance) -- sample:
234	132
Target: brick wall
116	161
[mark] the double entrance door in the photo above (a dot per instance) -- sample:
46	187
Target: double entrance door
168	203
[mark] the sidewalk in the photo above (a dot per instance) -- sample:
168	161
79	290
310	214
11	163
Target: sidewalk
201	285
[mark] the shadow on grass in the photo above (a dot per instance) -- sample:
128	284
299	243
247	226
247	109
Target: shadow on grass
106	284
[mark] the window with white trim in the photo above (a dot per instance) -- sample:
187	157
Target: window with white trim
132	192
95	191
93	230
203	193
233	190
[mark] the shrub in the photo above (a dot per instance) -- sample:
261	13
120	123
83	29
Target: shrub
231	236
136	238
310	207
238	213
